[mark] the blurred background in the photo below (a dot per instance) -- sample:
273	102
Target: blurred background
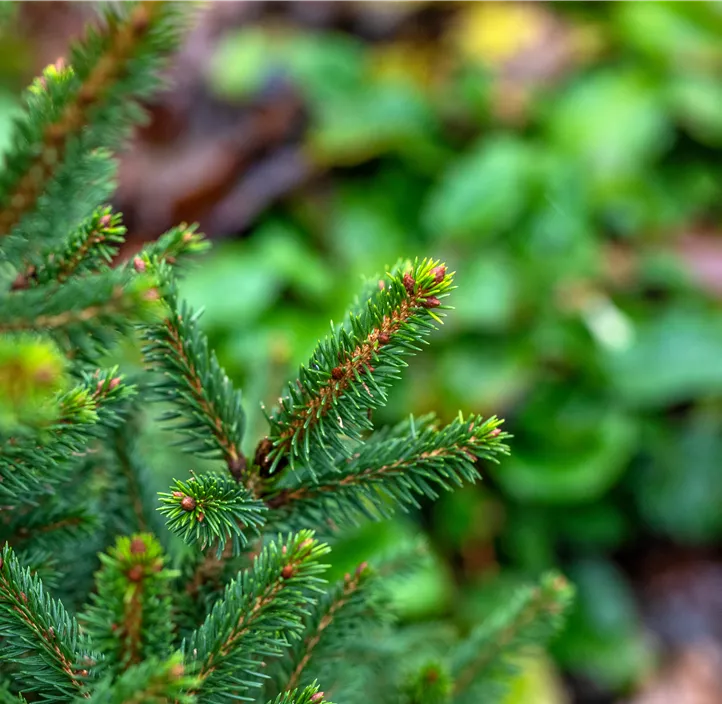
566	161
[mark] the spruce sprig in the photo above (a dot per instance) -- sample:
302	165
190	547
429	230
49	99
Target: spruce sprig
39	635
482	665
31	464
213	420
260	611
78	108
350	371
394	467
129	618
212	509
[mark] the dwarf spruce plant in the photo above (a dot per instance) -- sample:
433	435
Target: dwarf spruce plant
214	590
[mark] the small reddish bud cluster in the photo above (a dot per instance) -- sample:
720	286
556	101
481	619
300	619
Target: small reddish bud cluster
112	384
137	546
409	283
384	338
438	273
318	697
188	503
237	466
495	432
262	458
140	20
105	221
152	294
430	302
138	265
337	373
135	573
287	572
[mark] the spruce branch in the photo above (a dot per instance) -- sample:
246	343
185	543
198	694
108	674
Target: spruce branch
129	618
54	523
33	374
481	666
154	681
195	383
350	372
432	684
307	695
40	638
89	249
394	467
339	616
112	300
173	247
98	91
31	463
134	506
260	610
212	510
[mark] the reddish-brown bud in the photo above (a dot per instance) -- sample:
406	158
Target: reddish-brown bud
382	284
152	294
177	494
138	264
430	302
87	95
439	273
114	383
316	698
188	503
201	517
237	466
105	221
20	282
432	675
177	670
137	546
135	573
140	20
44	374
409	283
361	568
337	373
287	572
384	338
495	432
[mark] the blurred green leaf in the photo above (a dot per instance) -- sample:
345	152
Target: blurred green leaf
603	638
561	470
483	193
675	356
614	123
679	486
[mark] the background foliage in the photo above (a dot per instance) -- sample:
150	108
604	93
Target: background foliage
562	158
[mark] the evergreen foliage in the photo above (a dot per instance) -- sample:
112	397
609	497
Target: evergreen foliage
244	614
